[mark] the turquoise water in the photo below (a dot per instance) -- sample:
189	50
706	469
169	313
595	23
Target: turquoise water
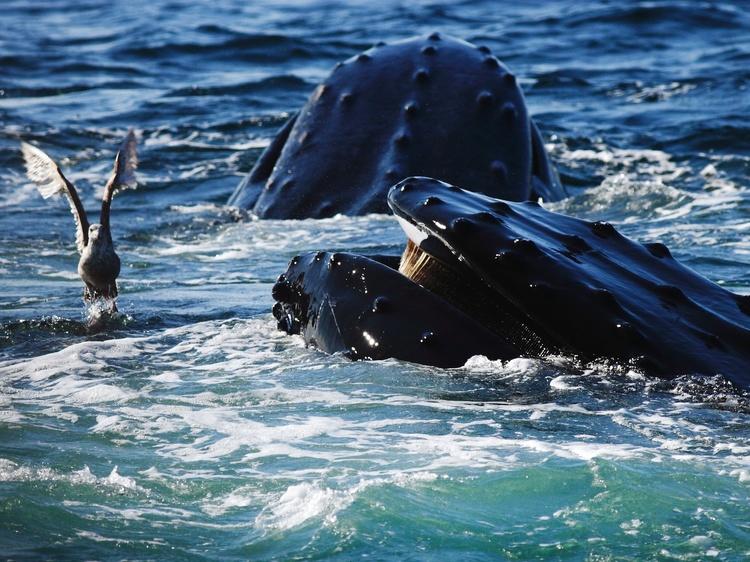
191	429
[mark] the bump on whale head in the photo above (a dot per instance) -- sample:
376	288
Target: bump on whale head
431	105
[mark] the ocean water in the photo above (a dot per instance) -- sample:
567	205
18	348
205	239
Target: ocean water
190	429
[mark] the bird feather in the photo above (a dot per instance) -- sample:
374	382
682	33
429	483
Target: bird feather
123	174
50	181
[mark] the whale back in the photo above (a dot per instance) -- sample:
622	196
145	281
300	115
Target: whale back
431	105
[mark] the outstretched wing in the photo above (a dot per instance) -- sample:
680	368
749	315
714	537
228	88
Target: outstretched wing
123	174
49	180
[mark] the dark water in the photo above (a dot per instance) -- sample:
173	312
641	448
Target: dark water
191	429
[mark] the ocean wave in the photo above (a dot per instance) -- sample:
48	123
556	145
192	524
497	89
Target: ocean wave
241	47
284	83
660	16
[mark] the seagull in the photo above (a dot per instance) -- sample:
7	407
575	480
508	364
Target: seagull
99	265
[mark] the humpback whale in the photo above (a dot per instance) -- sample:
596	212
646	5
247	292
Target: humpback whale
432	106
99	265
505	279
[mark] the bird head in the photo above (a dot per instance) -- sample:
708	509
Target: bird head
96	233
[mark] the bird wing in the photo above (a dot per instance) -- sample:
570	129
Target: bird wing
123	174
49	180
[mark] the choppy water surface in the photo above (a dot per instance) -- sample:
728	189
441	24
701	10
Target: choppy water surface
193	429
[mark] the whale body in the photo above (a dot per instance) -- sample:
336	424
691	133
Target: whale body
432	106
506	279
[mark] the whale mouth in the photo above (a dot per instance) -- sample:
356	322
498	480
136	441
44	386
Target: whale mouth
432	264
484	276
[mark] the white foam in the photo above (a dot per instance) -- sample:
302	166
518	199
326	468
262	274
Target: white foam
631	527
115	479
251	239
637	186
479	364
654	163
239	433
239	498
89	357
300	503
742	474
168	377
13	472
493	451
699	540
303	502
657	92
562	383
239	394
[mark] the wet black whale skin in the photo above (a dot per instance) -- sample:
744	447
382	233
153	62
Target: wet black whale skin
583	287
362	306
431	105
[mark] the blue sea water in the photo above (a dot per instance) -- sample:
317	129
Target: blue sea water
191	429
